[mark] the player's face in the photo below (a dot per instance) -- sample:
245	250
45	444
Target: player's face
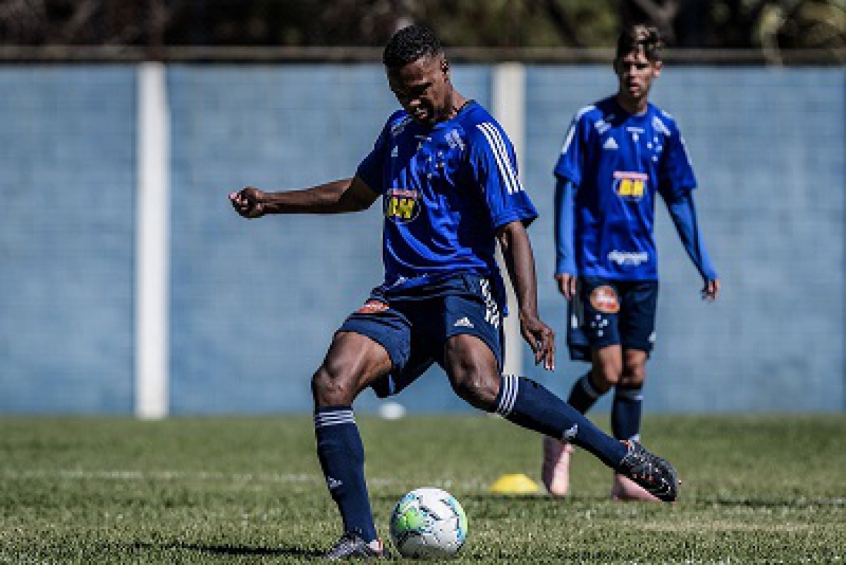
636	73
423	89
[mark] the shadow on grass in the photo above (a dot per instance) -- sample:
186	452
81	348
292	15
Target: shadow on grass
232	550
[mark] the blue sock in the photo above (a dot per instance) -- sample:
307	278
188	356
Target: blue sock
341	455
530	405
583	395
626	412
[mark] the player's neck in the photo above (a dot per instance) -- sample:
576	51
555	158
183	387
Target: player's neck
634	106
456	104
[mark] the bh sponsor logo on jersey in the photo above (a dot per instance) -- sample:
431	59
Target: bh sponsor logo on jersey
628	258
604	299
401	205
630	185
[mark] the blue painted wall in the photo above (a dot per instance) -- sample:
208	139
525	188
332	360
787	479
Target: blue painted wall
67	176
254	303
769	149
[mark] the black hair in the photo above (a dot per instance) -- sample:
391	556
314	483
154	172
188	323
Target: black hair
635	36
410	44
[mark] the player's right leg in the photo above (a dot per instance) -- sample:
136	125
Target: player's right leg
605	371
555	468
593	336
353	362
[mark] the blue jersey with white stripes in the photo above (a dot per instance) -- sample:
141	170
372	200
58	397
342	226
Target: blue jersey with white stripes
618	162
445	192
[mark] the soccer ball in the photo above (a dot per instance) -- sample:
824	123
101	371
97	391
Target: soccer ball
428	523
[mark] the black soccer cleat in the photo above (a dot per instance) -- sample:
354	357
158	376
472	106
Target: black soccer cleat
651	472
351	546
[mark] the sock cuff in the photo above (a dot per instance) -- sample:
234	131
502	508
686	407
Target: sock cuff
587	386
507	397
626	393
333	416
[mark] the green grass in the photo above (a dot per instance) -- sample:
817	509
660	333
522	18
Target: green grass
762	489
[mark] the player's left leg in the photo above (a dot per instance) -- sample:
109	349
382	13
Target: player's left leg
469	327
474	375
637	328
471	332
626	415
627	408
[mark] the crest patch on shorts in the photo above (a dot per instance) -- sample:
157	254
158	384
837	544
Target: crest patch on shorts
604	299
372	307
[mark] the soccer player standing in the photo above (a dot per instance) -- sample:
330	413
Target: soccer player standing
617	155
447	176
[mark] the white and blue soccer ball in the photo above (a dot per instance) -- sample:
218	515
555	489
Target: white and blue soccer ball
428	523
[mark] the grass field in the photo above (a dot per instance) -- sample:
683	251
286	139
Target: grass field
763	489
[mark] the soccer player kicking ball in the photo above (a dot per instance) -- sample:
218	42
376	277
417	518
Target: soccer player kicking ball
446	173
617	155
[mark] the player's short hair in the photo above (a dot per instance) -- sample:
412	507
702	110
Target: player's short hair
410	44
635	36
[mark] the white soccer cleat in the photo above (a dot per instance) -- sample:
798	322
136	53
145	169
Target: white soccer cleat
555	472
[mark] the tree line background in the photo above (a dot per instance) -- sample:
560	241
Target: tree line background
749	24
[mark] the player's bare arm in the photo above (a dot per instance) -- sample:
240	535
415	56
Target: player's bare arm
711	290
519	260
345	195
566	284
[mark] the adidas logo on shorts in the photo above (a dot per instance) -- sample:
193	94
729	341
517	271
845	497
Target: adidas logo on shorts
463	323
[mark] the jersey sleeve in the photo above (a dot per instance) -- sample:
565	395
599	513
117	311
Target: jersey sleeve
371	169
494	164
569	164
677	178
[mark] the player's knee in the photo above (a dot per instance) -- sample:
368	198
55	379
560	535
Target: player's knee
606	377
476	390
330	388
633	375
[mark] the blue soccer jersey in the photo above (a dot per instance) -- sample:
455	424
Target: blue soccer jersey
445	191
618	163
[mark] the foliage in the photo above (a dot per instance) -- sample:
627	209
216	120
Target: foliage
476	23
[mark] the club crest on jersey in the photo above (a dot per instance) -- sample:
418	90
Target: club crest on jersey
401	205
630	185
372	307
604	299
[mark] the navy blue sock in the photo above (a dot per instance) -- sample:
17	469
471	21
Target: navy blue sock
341	455
626	412
583	395
530	405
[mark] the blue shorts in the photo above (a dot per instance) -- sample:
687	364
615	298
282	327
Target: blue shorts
610	312
414	324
